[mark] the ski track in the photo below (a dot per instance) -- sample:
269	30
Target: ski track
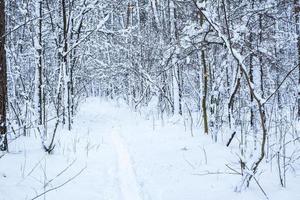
127	178
118	180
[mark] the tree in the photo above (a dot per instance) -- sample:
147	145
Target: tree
3	80
297	21
40	71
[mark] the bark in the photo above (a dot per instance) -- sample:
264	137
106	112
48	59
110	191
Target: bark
3	80
296	11
252	81
41	104
204	83
176	72
205	91
66	69
260	56
128	15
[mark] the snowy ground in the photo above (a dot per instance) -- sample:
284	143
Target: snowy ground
116	154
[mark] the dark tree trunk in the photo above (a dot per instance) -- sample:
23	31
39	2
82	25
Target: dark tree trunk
65	63
3	80
41	110
205	92
296	10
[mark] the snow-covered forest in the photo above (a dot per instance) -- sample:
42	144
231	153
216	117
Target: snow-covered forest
149	99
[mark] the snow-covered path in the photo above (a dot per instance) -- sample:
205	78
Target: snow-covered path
126	174
110	173
126	156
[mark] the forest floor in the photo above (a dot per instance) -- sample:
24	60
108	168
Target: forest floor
113	153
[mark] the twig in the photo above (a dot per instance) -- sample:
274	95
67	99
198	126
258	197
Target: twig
216	173
233	169
205	155
63	171
61	185
35	166
188	162
260	187
281	83
25	23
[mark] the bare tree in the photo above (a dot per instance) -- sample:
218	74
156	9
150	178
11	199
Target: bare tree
3	80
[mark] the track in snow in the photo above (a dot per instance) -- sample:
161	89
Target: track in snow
127	178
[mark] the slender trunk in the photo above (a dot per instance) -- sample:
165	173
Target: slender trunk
3	80
66	76
175	81
205	90
204	82
251	80
260	56
180	86
252	111
129	9
296	10
41	111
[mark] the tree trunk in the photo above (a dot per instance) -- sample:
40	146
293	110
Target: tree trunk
296	10
66	69
3	80
205	91
204	82
41	110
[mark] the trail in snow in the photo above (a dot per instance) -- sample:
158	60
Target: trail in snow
110	174
127	178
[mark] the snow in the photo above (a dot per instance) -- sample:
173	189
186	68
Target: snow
37	44
124	156
127	178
